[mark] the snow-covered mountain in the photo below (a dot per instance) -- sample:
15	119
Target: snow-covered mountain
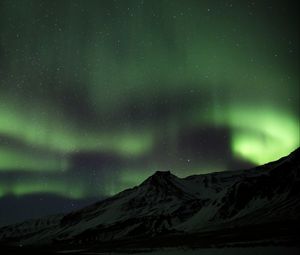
166	209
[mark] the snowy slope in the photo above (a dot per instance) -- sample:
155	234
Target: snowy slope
166	205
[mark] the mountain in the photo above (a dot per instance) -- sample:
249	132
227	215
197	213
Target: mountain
254	206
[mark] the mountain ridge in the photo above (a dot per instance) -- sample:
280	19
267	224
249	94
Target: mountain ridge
167	206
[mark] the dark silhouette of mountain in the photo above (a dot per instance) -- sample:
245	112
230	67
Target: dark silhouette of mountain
247	207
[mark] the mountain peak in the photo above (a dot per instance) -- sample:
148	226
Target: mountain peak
162	173
159	178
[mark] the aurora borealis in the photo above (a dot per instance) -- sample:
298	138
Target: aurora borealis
97	95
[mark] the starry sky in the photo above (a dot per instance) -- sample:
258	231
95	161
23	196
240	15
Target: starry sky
95	96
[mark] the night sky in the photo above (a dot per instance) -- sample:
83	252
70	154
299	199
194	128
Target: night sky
95	96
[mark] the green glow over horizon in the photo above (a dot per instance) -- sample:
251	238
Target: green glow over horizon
13	160
54	187
265	135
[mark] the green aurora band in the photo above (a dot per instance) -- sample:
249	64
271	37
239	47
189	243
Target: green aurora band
126	77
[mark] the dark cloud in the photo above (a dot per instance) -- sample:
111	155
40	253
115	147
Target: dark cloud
93	160
206	142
